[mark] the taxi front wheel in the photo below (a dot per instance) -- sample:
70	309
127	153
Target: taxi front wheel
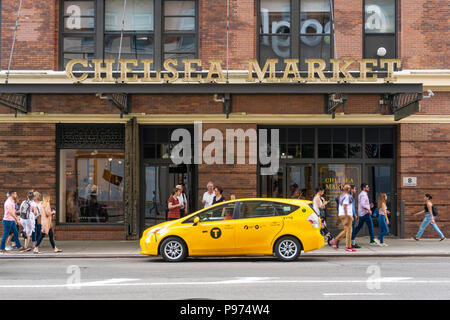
173	250
287	248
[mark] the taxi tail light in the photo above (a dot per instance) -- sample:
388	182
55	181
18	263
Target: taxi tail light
314	220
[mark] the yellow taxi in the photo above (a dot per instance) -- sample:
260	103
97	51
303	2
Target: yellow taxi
280	227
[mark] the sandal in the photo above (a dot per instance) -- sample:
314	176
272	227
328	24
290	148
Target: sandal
57	250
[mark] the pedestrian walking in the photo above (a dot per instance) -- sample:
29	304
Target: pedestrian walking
174	205
383	219
346	217
36	206
430	212
209	195
10	222
354	214
365	214
46	220
219	195
183	200
27	219
319	203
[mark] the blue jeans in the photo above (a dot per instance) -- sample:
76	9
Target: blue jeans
367	219
8	228
426	221
384	229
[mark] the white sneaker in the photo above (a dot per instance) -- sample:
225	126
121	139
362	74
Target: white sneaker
8	247
383	244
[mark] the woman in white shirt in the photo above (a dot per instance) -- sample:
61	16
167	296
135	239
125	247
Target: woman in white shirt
318	203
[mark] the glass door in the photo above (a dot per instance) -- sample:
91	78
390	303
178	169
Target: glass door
299	182
333	177
159	181
380	179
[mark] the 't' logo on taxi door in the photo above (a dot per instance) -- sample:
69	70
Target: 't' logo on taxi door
216	233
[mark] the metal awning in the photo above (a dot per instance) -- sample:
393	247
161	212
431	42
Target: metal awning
212	88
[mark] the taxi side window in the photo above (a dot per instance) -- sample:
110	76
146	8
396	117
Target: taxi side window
219	213
256	209
284	209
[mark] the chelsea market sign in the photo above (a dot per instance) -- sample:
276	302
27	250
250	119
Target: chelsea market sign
342	70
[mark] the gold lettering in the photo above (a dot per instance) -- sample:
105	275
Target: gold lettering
99	70
69	69
312	69
270	65
215	68
336	74
124	70
188	70
169	65
147	78
347	76
363	69
291	69
390	68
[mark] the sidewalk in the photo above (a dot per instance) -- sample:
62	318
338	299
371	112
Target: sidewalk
130	249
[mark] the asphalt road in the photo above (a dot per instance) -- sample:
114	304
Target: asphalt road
231	278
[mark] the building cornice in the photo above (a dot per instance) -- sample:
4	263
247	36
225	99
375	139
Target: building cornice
263	119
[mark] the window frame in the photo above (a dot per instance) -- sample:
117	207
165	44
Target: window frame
62	145
63	34
99	32
294	34
394	34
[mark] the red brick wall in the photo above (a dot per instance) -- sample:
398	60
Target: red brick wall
424	38
27	160
348	17
240	180
438	104
36	45
423	153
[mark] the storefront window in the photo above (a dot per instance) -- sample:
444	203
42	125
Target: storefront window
91	186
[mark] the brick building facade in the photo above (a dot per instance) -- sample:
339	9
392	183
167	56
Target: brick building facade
40	150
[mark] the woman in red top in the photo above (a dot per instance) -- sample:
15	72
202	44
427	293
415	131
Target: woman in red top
174	205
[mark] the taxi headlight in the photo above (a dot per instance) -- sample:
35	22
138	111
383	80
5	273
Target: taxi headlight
152	232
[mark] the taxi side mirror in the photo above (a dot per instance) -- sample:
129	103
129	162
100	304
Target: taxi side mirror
196	220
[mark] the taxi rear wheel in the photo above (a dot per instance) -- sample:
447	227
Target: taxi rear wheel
173	250
287	248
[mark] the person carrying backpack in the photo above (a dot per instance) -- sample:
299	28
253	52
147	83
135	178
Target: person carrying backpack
430	212
27	219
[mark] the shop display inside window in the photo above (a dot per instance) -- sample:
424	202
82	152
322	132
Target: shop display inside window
91	186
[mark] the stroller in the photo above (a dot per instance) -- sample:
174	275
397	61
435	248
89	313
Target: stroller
324	231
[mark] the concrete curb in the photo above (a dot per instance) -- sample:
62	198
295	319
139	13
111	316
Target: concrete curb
139	256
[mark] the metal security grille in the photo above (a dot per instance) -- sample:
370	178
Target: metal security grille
85	136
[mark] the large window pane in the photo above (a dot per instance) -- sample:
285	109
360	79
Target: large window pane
91	186
133	46
79	44
179	44
139	15
79	15
179	8
315	16
314	47
275	16
379	16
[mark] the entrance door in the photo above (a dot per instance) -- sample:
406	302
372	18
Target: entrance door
333	177
381	180
159	181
